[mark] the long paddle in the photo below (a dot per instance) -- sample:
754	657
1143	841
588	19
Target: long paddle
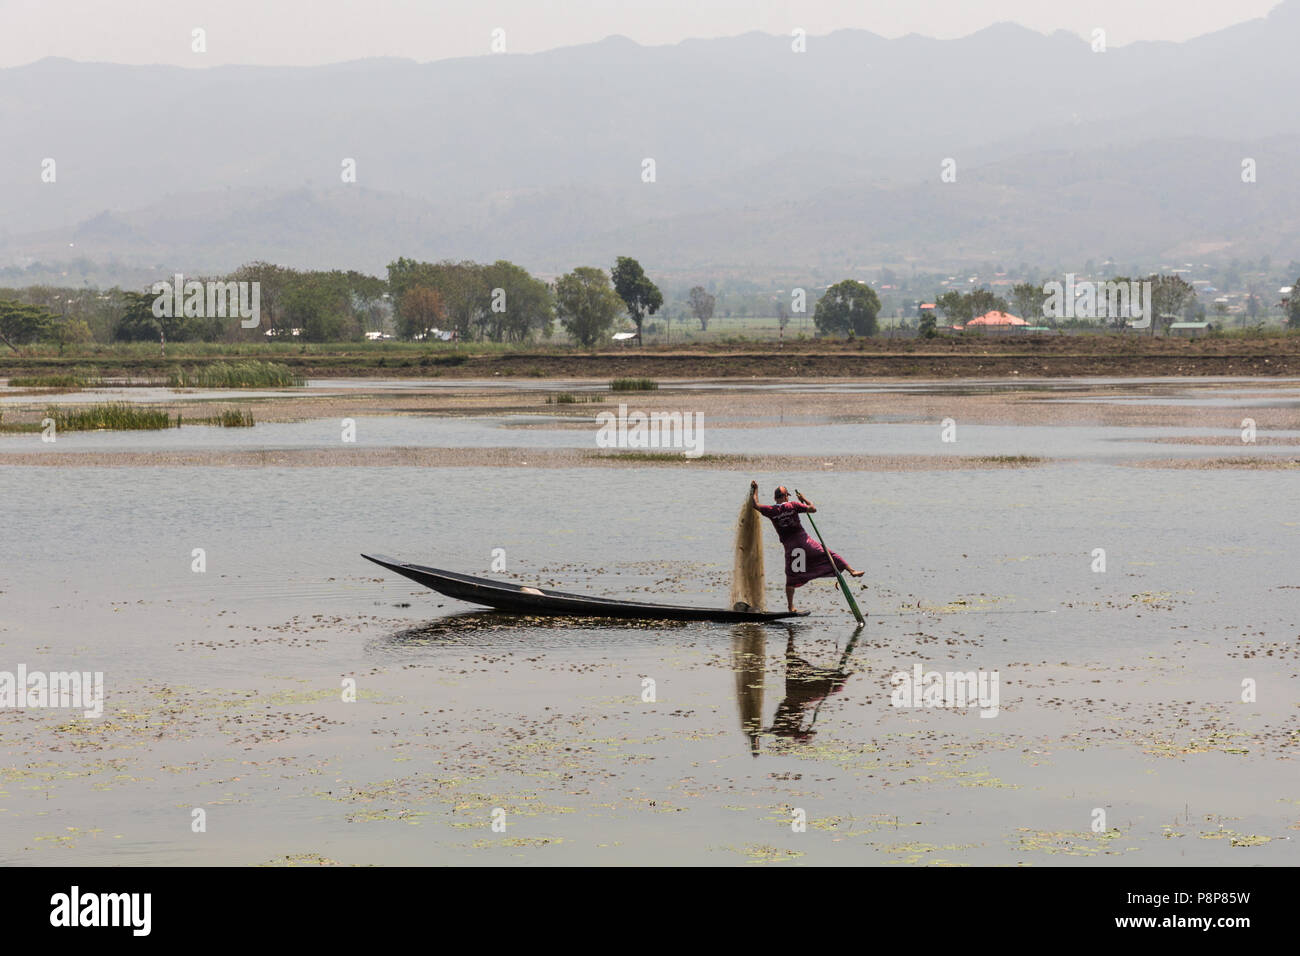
848	596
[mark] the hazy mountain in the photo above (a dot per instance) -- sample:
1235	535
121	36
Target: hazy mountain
764	157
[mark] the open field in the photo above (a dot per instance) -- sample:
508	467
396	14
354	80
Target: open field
965	356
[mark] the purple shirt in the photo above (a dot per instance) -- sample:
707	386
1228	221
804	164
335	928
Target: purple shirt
786	518
814	562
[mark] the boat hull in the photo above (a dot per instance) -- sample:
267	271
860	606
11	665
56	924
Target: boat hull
512	598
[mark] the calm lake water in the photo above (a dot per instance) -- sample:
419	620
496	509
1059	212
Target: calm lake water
1120	689
532	431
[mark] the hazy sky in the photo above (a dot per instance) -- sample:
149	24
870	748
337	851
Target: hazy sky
327	31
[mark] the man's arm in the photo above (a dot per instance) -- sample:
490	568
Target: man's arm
811	507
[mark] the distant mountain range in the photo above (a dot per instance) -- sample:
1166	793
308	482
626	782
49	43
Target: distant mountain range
766	160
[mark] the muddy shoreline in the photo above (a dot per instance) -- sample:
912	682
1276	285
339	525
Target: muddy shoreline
986	356
521	407
769	402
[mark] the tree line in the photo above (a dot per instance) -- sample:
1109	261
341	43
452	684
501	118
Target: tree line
1172	298
496	302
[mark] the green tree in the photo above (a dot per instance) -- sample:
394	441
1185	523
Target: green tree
322	306
702	305
982	301
782	313
367	307
70	332
955	306
1292	304
309	308
640	296
422	310
103	312
274	283
21	324
466	293
403	274
586	304
926	324
1028	300
519	304
1171	296
847	307
137	323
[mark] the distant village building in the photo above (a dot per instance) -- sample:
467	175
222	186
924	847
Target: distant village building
924	309
998	322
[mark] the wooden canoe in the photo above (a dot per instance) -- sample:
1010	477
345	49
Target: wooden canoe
543	602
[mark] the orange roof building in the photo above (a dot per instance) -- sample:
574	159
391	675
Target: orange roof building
996	318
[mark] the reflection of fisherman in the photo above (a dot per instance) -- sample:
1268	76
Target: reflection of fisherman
805	686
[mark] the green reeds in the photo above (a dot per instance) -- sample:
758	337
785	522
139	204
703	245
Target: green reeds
124	417
251	374
633	385
117	416
230	418
48	381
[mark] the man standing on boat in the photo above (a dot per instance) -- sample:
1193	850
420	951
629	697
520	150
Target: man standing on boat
805	559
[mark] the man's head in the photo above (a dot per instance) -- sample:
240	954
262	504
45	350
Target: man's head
781	494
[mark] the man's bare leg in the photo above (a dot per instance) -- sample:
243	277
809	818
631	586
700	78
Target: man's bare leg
845	566
789	598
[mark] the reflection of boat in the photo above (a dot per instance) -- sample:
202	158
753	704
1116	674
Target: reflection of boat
544	602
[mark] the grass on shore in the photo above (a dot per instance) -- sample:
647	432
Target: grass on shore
246	374
633	385
230	418
49	381
116	416
120	416
251	374
1009	459
569	398
661	457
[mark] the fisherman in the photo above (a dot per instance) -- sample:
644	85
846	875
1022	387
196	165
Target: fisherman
805	559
